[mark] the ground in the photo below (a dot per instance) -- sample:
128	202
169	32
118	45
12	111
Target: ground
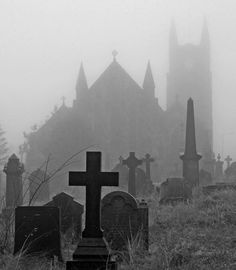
199	235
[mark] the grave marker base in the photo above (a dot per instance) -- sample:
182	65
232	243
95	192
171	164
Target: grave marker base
91	254
91	265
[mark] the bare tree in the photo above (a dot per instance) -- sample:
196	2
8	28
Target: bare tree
3	147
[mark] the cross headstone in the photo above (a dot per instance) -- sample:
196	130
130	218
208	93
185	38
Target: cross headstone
92	250
148	159
14	187
132	163
228	161
219	167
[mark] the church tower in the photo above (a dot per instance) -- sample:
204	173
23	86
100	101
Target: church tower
190	76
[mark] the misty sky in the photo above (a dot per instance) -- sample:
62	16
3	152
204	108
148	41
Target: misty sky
42	43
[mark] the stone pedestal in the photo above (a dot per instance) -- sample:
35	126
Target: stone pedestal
91	254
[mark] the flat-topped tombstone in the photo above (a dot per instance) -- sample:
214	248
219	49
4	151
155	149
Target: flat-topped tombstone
37	230
92	251
175	190
70	212
132	163
123	219
39	186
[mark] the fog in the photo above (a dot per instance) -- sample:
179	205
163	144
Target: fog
42	44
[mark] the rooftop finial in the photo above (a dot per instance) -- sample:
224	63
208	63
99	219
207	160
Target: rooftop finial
114	53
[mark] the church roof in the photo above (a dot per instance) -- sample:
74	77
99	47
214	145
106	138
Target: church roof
115	78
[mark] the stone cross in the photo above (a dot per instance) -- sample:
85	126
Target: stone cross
228	160
93	179
148	159
132	163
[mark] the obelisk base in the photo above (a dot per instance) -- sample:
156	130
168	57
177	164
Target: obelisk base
91	254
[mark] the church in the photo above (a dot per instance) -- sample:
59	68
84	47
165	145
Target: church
116	115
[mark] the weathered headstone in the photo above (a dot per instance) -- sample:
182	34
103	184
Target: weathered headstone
175	190
123	220
70	212
132	163
14	188
190	157
208	163
231	172
39	186
92	251
228	160
218	187
219	168
123	172
205	178
37	230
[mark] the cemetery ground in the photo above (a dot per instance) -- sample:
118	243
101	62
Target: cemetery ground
198	235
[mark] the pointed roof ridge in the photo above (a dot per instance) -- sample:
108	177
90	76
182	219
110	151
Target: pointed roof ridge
13	156
148	82
114	66
81	84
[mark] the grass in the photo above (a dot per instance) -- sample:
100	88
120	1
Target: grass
199	235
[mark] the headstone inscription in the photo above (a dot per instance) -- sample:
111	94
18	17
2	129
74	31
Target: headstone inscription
175	190
14	187
37	230
39	186
132	163
92	251
190	157
70	213
123	220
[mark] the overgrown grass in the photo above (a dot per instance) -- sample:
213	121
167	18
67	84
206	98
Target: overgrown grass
199	235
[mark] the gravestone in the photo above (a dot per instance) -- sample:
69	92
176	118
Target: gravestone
219	168
132	163
231	172
92	251
175	190
123	172
39	186
37	230
205	178
190	157
228	160
218	187
14	188
70	212
124	219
